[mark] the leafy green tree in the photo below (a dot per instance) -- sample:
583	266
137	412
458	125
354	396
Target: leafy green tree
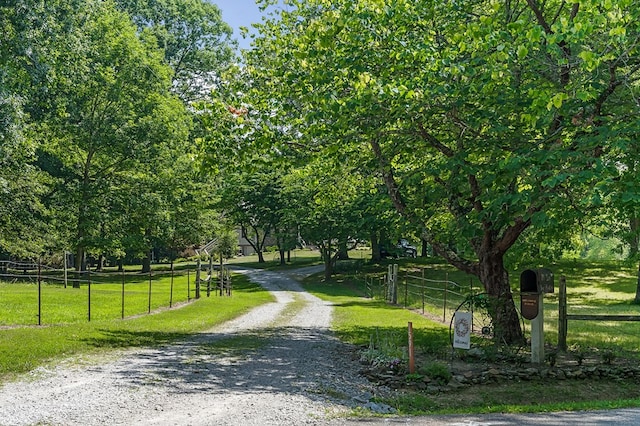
113	111
195	40
251	199
327	195
26	44
486	118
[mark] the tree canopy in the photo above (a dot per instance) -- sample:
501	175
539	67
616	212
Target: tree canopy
486	118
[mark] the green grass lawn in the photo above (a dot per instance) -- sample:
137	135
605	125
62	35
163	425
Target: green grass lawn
27	347
101	300
606	288
601	288
298	258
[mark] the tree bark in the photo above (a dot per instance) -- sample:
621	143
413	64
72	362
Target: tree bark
328	266
343	252
425	248
505	318
100	265
282	257
146	263
375	248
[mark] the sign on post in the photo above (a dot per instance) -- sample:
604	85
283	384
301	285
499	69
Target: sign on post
462	324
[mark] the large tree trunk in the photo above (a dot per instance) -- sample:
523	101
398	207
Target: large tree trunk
79	265
375	248
282	257
505	318
343	252
100	265
325	252
328	267
425	248
146	263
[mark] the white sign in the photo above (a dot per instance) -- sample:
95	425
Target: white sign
462	322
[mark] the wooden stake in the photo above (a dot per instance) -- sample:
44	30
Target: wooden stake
412	361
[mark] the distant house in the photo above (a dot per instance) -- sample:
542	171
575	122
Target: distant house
245	249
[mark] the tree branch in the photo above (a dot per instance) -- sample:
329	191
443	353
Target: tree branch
445	150
387	176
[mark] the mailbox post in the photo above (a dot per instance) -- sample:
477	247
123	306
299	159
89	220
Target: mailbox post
534	283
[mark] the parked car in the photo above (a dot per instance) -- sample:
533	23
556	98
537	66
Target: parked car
402	249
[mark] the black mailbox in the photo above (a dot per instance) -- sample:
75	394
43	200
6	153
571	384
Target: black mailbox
536	281
533	283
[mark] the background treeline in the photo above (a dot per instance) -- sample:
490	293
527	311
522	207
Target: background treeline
99	146
495	133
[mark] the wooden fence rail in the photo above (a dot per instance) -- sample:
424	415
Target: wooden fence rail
564	317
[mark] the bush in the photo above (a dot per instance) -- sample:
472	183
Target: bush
437	371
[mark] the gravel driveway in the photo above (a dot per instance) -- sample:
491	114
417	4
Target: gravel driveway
291	370
285	369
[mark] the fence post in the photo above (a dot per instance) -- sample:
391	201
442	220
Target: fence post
562	315
88	293
149	304
406	290
171	288
210	275
422	290
444	299
122	314
412	362
188	285
198	266
64	256
39	292
394	276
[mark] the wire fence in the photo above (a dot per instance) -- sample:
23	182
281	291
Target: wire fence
415	289
36	293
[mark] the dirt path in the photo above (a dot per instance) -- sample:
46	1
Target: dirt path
282	367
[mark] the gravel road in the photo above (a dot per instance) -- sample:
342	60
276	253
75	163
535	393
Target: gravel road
291	371
285	369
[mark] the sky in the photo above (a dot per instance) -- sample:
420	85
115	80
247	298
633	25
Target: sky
239	13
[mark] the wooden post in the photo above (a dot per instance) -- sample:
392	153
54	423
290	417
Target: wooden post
210	276
444	298
171	288
88	293
198	279
222	277
39	292
64	256
149	299
562	314
122	308
394	279
406	290
422	290
412	361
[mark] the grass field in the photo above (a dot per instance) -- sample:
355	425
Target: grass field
604	287
27	347
595	288
100	300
